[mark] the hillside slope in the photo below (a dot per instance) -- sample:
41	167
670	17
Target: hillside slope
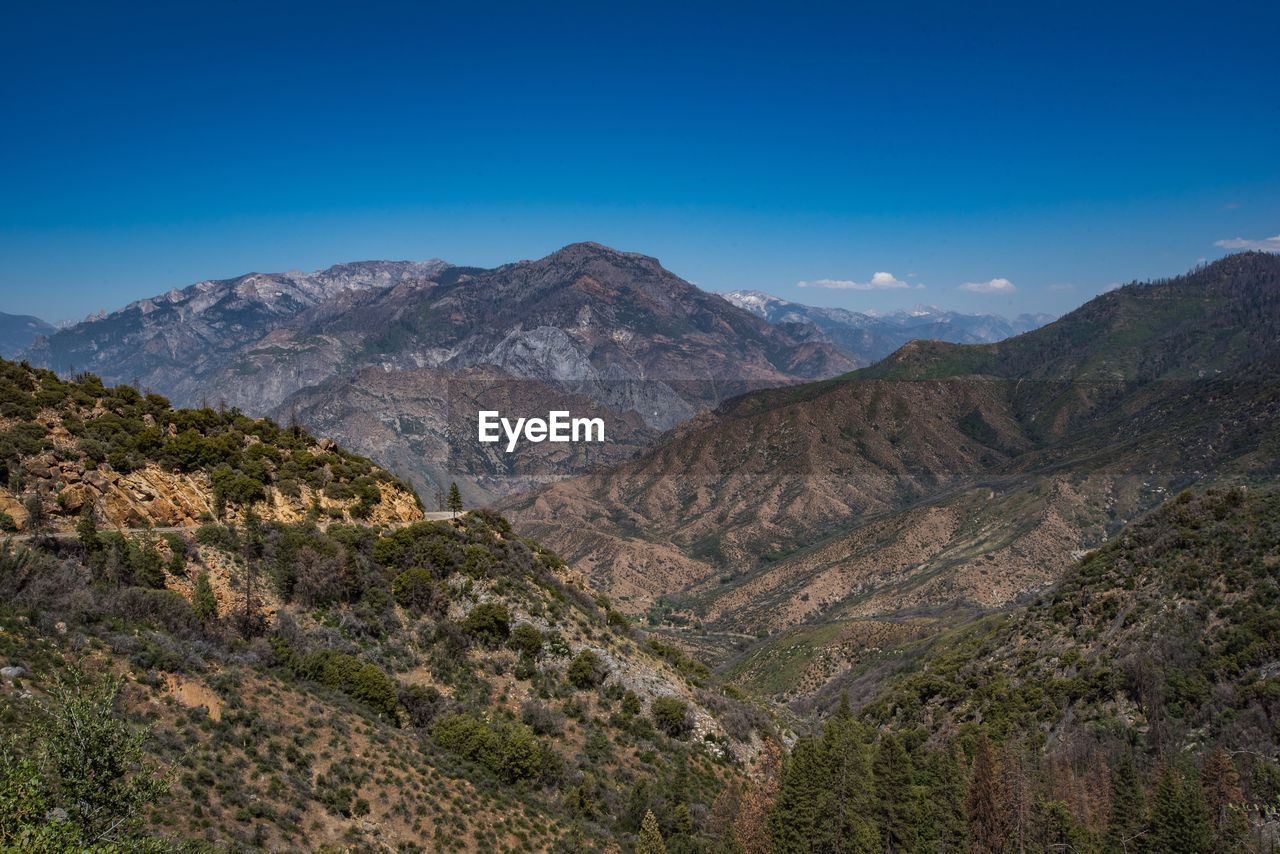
134	461
945	479
327	678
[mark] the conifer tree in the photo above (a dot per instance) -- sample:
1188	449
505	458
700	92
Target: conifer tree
455	499
1127	823
898	806
1179	816
203	602
795	814
650	841
87	531
946	822
846	805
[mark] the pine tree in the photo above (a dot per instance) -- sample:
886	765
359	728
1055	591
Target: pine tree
252	545
988	820
846	805
1225	801
795	814
203	602
1127	823
650	841
38	524
1179	816
455	499
947	823
898	806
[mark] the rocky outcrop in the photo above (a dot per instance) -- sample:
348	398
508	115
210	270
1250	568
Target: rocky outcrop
155	497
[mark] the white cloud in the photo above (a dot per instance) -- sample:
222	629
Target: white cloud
1267	244
879	281
994	286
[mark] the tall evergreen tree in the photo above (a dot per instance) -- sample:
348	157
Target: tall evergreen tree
846	804
946	825
988	819
795	813
897	800
1127	823
203	602
650	841
87	531
455	499
1179	816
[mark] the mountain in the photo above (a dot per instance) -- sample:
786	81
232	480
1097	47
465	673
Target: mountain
328	671
870	336
18	331
795	534
375	354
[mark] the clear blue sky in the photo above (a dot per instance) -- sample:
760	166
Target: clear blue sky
1063	147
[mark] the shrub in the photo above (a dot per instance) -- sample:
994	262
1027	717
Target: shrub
490	622
526	640
318	578
7	524
423	705
418	591
587	670
671	715
356	678
510	751
541	718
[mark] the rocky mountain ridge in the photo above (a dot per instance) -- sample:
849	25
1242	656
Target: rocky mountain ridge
612	327
945	480
870	336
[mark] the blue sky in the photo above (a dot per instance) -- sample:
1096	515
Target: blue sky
1061	149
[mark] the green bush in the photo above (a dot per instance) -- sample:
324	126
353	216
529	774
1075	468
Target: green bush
490	622
526	640
508	750
418	591
671	715
586	671
358	679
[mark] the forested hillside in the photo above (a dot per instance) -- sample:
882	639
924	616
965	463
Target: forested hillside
1132	709
268	681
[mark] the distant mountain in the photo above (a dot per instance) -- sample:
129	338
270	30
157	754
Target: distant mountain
842	517
378	354
17	331
870	336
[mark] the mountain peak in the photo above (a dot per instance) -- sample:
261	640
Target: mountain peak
591	251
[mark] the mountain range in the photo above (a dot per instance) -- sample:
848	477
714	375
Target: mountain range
372	353
796	534
872	335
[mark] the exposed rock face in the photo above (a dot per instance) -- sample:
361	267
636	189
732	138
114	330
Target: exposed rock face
614	328
872	336
154	497
174	343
